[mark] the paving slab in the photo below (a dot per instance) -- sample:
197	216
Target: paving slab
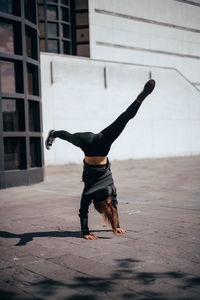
43	255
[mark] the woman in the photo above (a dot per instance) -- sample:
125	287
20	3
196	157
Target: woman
97	177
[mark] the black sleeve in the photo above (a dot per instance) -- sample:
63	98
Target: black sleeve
114	203
83	214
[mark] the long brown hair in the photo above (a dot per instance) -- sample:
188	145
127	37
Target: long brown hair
108	212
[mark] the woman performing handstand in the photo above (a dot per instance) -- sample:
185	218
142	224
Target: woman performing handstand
97	177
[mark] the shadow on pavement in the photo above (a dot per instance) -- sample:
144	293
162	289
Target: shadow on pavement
29	236
141	285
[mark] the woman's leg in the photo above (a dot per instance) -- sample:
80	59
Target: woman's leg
65	135
112	132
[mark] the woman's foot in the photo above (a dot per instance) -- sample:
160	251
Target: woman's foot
148	88
49	140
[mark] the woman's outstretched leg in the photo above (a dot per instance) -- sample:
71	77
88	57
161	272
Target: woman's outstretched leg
64	135
112	132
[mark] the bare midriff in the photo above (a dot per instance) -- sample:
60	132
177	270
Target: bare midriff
96	160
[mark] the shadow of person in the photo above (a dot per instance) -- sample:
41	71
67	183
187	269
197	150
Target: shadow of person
25	238
29	236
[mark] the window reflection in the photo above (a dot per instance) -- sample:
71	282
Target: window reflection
31	42
51	12
65	31
30	10
34	116
66	47
35	152
6	38
14	153
42	29
65	14
32	74
10	7
65	2
52	29
13	115
7	76
41	11
53	46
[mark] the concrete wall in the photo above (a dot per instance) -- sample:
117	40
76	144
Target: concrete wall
167	124
156	32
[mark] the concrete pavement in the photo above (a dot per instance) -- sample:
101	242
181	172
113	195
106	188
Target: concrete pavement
42	254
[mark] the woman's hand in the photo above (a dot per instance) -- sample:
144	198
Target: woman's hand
120	230
90	237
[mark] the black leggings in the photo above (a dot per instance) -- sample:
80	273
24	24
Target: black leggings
99	144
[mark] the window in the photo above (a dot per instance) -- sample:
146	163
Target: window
53	46
31	42
14	153
10	7
32	75
65	31
6	38
30	10
52	29
7	76
13	115
34	115
41	12
42	29
35	152
52	12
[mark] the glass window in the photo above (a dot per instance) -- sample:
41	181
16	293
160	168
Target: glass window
30	10
65	31
35	152
52	29
34	115
7	76
6	38
42	29
65	14
81	4
10	7
66	47
14	153
82	35
42	45
32	74
13	115
83	50
41	11
81	19
52	12
52	1
65	2
31	42
53	46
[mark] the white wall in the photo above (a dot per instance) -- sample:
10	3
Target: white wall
167	124
117	35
